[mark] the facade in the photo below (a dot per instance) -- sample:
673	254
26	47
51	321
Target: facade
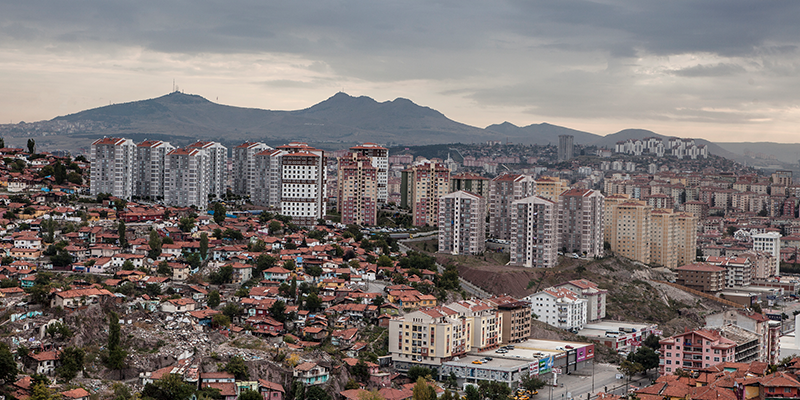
534	233
421	187
379	158
561	308
550	187
629	230
266	190
767	330
740	270
470	182
358	190
149	169
429	337
686	237
516	318
595	297
770	243
565	147
186	178
217	168
703	277
580	222
503	191
487	322
462	223
303	175
695	350
112	161
244	167
663	238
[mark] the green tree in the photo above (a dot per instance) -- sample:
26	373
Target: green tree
220	320
360	371
193	259
31	146
128	265
416	372
238	368
213	299
155	245
629	369
120	204
204	245
186	224
71	363
40	391
8	367
116	355
316	393
471	393
222	275
274	227
646	357
2	143
164	268
122	231
74	177
313	302
249	395
219	213
652	342
378	301
231	310
58	330
532	383
423	390
384	261
278	311
493	390
121	391
170	387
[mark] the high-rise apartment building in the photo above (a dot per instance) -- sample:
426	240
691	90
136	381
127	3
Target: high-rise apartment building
244	166
663	238
379	158
113	161
421	187
148	174
770	243
503	191
565	147
266	189
580	222
358	190
470	182
550	187
303	175
186	178
462	223
217	159
686	238
534	232
629	230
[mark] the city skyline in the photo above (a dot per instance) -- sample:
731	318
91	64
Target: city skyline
715	70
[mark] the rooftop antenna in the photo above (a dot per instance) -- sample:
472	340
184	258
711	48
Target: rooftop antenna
173	85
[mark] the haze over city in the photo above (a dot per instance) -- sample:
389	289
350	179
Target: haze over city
724	71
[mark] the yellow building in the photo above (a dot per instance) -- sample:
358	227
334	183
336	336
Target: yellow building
550	188
663	238
686	238
629	230
429	337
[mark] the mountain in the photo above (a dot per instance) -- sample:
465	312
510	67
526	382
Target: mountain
609	141
543	133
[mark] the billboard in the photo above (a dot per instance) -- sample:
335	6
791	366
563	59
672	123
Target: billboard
545	365
533	368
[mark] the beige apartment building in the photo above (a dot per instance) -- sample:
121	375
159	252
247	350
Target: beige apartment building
186	178
358	190
629	230
516	318
549	187
421	188
429	337
379	158
503	191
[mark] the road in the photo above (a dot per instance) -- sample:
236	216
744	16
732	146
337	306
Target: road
580	385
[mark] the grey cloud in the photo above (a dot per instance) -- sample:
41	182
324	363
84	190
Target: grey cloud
720	69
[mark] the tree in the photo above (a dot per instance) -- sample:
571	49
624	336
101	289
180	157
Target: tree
31	146
193	259
274	226
646	357
128	265
313	302
378	301
8	367
204	245
652	342
249	394
316	393
164	268
629	369
423	390
278	311
116	355
360	371
416	372
471	393
371	395
222	275
58	329
155	245
186	224
384	261
40	391
219	213
170	387
120	204
237	367
74	177
121	231
71	363
532	383
231	310
220	320
2	143
213	299
493	390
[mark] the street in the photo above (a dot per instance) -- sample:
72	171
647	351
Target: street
579	384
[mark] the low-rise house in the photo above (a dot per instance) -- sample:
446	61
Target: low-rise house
75	394
181	305
270	390
242	272
180	272
43	363
310	373
78	297
278	274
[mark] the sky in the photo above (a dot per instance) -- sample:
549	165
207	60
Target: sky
722	70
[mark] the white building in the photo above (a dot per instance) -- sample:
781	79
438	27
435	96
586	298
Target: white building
303	175
112	164
595	297
534	232
186	178
487	322
770	242
217	159
148	174
462	223
244	166
266	190
580	222
561	308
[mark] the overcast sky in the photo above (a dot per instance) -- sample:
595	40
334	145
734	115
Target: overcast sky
724	70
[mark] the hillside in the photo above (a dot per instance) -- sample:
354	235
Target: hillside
543	133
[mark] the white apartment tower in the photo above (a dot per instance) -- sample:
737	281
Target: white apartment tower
112	165
186	178
770	243
580	222
303	176
503	191
379	158
244	166
534	232
148	174
266	189
217	169
462	223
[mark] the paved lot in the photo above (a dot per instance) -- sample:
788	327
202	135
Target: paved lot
579	385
